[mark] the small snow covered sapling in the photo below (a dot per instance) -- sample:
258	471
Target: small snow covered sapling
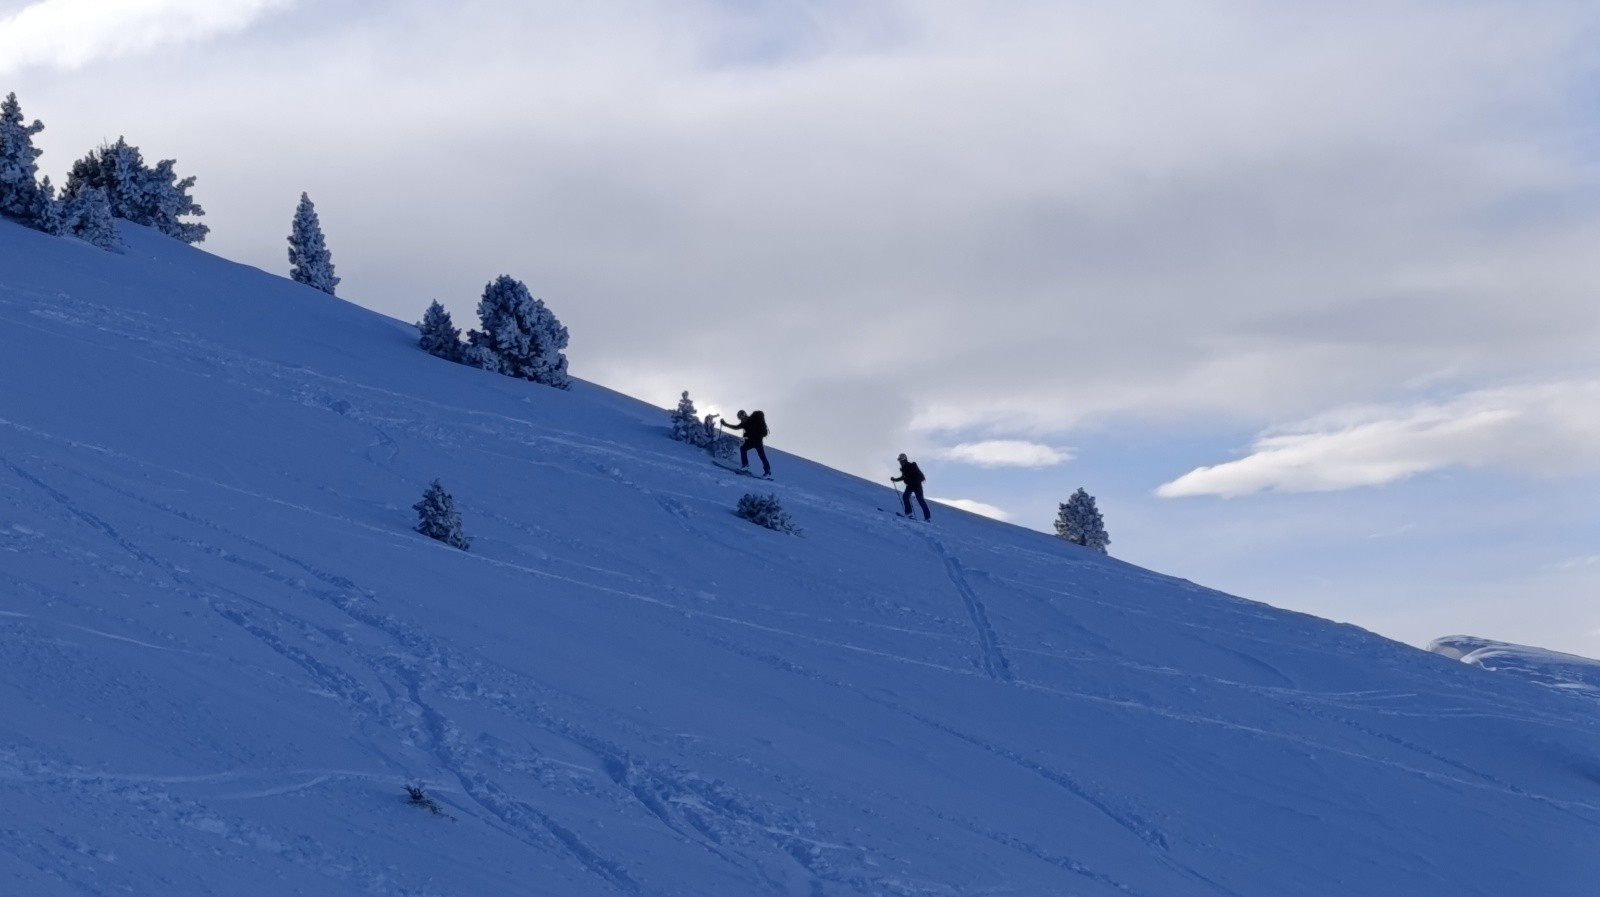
1080	523
687	426
764	510
439	334
438	518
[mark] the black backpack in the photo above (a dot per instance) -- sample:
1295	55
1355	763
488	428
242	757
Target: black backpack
914	474
755	426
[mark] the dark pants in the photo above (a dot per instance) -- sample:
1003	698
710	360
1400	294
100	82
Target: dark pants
744	455
915	489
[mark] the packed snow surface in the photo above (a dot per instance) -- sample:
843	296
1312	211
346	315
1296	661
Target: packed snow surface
224	653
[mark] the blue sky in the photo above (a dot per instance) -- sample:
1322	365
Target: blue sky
1305	296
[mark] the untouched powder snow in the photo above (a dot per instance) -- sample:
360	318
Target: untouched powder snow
224	653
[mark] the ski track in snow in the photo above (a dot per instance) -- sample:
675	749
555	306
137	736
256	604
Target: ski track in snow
994	662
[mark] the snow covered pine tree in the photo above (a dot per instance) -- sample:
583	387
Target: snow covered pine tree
308	252
520	337
1079	522
20	195
687	426
149	196
438	518
440	336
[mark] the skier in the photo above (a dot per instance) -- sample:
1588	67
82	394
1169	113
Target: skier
911	475
754	426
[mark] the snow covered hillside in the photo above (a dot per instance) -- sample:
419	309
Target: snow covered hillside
224	653
1567	672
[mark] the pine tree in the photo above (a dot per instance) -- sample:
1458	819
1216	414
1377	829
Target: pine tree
149	196
686	424
438	518
1080	523
440	336
20	194
520	337
308	252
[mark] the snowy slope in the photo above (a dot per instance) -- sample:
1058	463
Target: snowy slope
223	653
1566	672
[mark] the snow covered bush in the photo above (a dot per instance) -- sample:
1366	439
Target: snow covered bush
520	337
723	446
1079	522
438	518
440	336
687	426
137	192
312	263
421	798
765	510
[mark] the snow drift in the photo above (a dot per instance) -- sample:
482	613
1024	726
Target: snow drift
1553	669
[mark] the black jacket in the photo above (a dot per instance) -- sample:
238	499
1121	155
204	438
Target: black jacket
754	426
910	474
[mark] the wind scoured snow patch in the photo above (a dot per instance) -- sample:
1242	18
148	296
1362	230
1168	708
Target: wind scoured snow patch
1553	669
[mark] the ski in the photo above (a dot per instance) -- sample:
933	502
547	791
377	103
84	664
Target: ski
743	471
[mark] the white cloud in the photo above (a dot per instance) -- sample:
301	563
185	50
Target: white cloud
1547	429
1005	453
976	507
69	34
